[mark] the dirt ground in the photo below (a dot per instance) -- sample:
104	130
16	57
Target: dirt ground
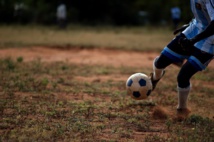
81	56
97	56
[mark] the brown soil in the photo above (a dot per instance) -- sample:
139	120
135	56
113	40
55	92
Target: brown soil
83	56
93	56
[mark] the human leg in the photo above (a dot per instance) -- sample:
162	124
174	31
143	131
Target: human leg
184	85
159	65
171	54
197	62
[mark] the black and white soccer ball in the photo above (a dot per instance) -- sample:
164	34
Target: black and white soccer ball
139	86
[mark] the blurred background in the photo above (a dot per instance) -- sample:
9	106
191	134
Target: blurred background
93	12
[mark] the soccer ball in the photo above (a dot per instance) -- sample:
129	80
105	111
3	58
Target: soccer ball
139	86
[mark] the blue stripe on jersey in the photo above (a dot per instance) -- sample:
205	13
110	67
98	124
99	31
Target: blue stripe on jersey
200	16
205	46
172	55
191	31
196	63
211	50
212	3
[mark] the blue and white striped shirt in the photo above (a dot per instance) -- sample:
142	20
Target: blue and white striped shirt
203	11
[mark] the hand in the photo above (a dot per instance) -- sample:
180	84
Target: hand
181	29
186	44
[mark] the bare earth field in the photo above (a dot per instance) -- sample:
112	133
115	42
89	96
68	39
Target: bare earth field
94	56
116	59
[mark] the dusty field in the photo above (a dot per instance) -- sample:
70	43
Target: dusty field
82	56
108	57
85	56
103	57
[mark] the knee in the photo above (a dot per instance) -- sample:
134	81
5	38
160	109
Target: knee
183	81
162	62
185	74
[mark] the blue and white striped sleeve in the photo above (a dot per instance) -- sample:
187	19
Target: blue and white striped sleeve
210	8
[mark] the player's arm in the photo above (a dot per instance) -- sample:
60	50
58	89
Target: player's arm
209	31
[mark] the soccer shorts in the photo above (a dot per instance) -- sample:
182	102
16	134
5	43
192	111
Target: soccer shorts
199	59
